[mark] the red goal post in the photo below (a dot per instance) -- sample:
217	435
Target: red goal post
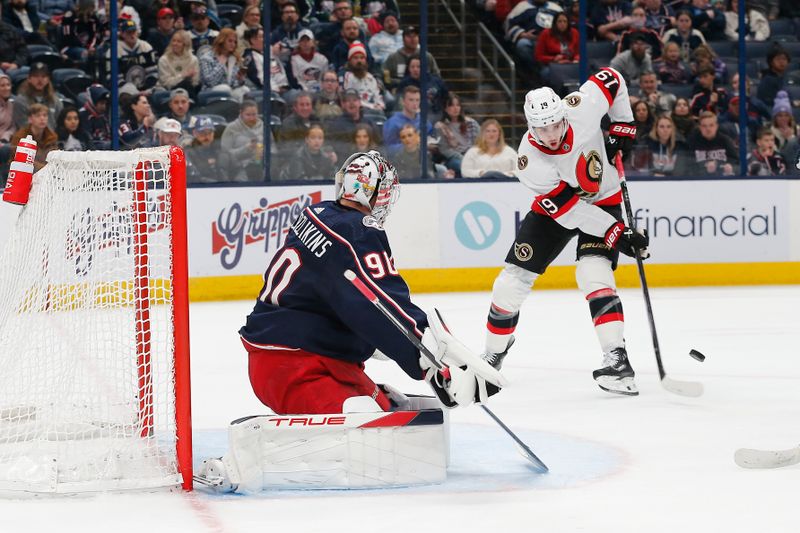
94	332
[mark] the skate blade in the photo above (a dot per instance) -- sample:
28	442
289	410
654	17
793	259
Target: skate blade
624	386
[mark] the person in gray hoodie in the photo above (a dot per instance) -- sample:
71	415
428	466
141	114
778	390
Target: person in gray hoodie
243	141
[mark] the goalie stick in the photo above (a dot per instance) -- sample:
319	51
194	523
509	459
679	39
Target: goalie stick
537	463
749	458
683	388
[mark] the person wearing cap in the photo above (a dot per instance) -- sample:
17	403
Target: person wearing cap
94	117
653	39
307	64
707	96
151	9
131	50
287	34
341	129
341	51
37	89
160	36
179	103
394	68
243	141
355	75
168	132
179	67
81	34
205	162
202	35
387	41
784	126
631	63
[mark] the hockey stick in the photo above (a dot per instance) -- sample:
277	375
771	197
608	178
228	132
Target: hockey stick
749	458
413	339
683	388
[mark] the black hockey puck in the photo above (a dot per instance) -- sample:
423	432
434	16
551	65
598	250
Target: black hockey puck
697	355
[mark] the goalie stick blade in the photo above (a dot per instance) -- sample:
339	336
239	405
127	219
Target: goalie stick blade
692	389
749	458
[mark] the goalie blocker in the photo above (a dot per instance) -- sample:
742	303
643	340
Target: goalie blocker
334	451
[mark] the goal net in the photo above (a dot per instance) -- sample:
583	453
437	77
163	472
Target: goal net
94	376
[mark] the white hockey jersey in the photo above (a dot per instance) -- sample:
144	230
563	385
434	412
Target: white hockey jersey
572	180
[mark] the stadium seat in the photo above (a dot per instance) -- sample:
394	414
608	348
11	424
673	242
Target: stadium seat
724	48
160	102
793	47
226	107
71	81
599	53
758	49
275	124
206	97
782	28
34	49
794	91
277	104
18	76
231	12
681	90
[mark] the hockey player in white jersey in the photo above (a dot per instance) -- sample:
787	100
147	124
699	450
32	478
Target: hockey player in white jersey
566	161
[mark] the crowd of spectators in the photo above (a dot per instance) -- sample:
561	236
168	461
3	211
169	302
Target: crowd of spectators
347	77
191	73
680	60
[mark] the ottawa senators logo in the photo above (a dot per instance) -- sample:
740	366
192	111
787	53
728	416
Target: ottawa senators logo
573	100
523	252
522	162
589	171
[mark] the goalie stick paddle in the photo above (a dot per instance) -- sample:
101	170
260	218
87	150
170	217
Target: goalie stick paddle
683	388
370	295
749	458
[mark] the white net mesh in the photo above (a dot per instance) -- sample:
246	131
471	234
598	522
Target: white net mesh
86	336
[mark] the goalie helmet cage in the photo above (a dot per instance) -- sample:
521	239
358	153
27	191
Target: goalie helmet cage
94	333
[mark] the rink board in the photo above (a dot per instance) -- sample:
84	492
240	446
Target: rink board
454	236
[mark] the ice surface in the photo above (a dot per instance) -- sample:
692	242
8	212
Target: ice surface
653	463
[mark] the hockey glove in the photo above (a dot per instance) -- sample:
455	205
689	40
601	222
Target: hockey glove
620	139
628	241
464	374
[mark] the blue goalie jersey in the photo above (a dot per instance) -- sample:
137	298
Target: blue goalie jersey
307	303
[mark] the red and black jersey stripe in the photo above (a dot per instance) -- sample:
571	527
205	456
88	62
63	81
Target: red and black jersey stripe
608	81
556	202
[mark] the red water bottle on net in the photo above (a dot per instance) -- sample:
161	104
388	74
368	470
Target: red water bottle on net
20	174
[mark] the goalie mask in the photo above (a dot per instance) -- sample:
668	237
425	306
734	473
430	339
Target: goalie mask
544	108
370	180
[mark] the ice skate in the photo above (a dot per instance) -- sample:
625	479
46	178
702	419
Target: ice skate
212	473
616	375
496	359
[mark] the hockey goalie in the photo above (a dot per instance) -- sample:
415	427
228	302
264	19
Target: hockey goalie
307	340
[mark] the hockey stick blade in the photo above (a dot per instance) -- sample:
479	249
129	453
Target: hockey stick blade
691	389
749	458
526	452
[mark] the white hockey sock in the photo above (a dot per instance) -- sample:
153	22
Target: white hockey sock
511	287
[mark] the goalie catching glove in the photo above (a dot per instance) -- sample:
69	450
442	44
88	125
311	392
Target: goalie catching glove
620	139
628	241
464	375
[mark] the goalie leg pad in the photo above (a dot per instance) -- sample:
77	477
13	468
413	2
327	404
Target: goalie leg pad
596	281
352	450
